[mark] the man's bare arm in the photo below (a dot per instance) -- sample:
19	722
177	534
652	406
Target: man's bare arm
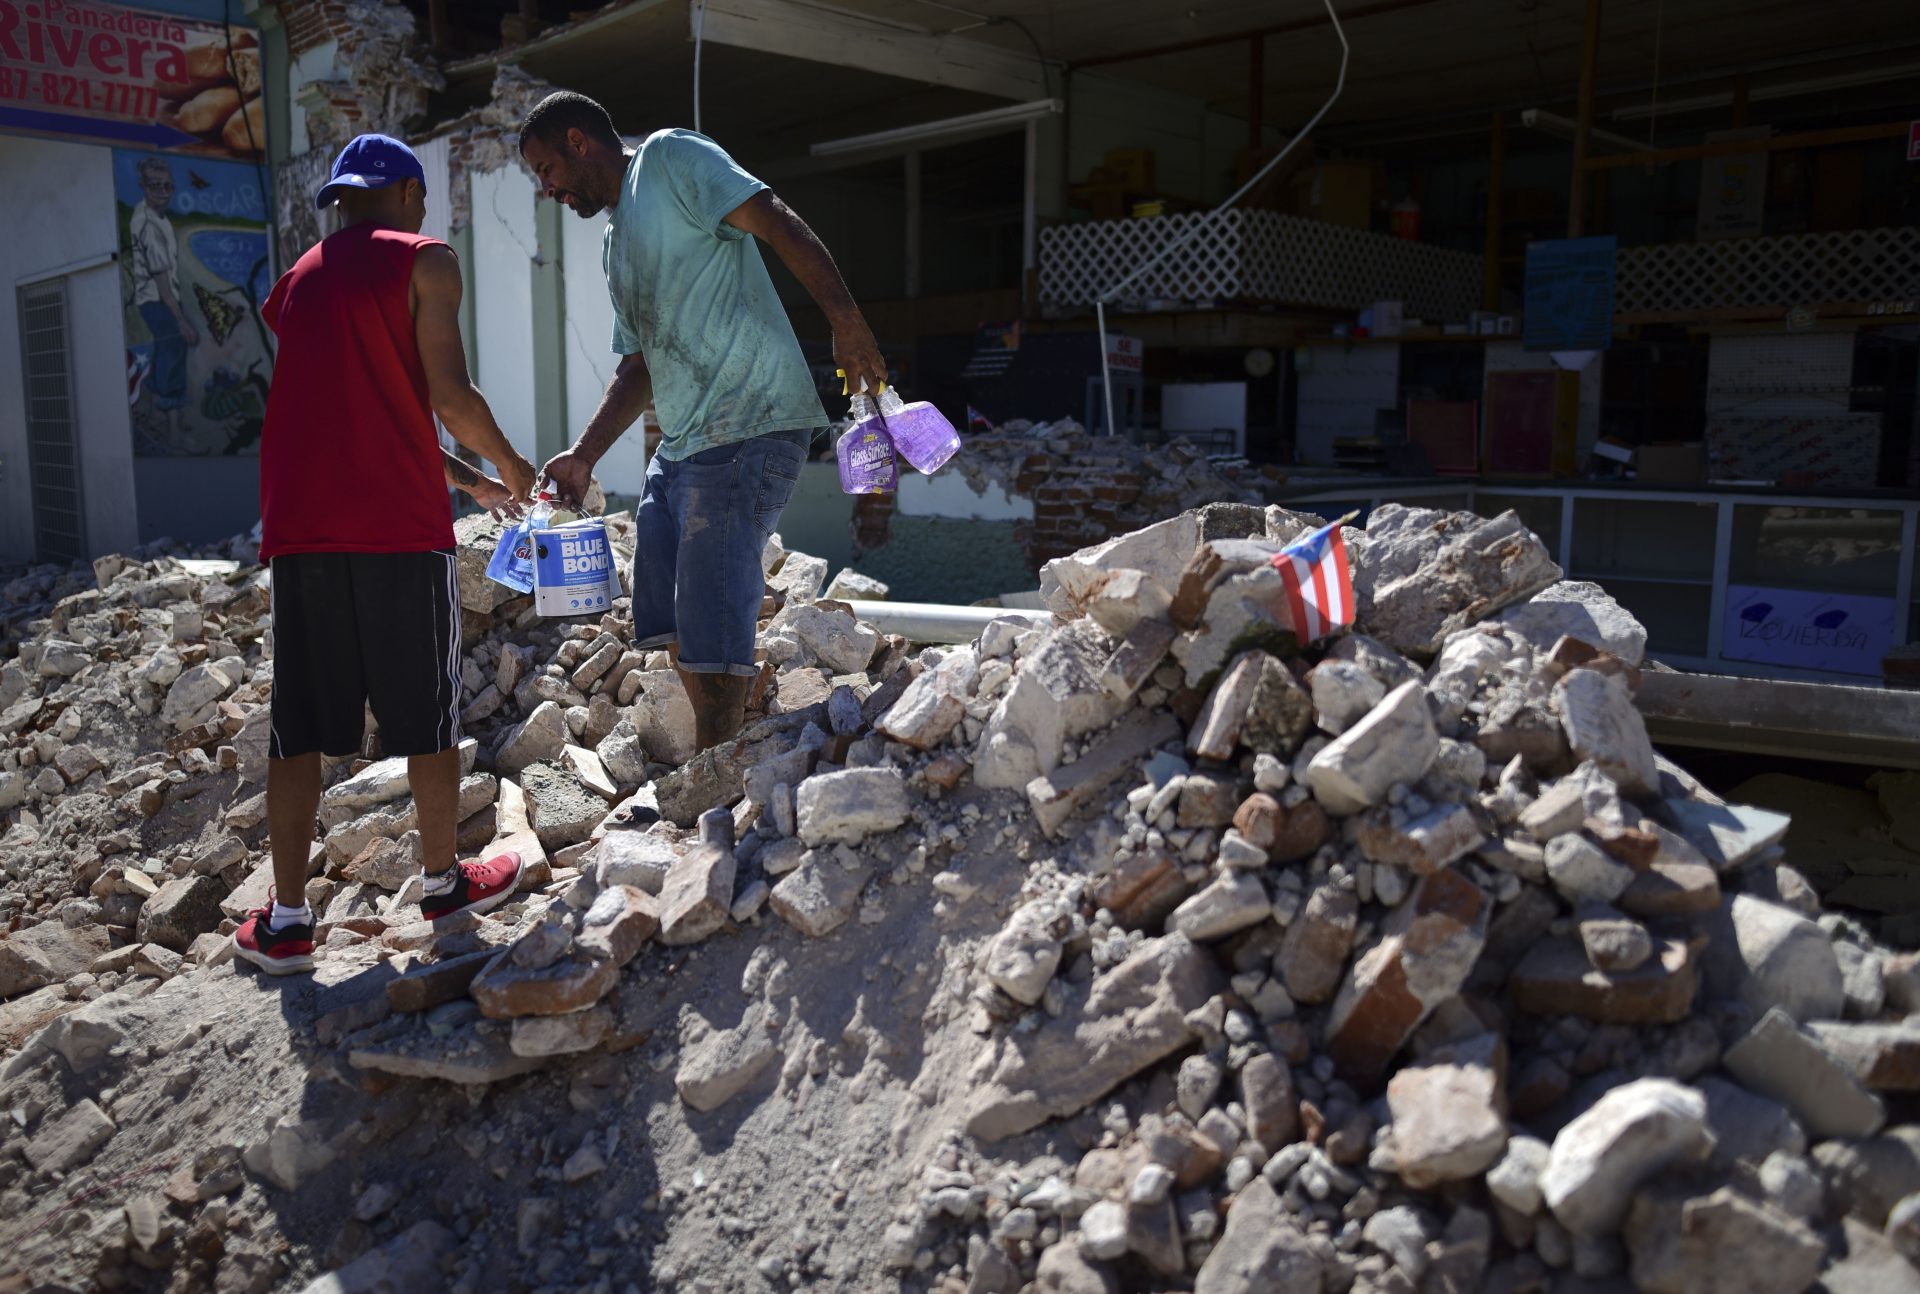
774	223
626	398
487	492
460	474
464	411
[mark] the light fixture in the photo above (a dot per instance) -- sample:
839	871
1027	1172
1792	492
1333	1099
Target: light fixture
947	130
1552	123
1781	90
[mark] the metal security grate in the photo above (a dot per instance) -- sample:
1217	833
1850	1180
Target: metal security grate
53	455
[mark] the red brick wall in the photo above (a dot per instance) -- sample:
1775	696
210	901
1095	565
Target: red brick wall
312	23
1074	506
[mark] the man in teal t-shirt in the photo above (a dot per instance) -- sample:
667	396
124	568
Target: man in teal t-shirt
703	338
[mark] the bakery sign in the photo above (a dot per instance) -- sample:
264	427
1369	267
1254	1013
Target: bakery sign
130	77
1841	633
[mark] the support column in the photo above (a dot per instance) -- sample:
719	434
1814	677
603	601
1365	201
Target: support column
437	24
550	431
913	224
1496	213
1256	91
1030	218
1583	133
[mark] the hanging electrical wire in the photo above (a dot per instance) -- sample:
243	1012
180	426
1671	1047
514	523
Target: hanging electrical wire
699	25
1659	27
1100	301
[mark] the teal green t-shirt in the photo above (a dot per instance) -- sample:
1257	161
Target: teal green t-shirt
691	294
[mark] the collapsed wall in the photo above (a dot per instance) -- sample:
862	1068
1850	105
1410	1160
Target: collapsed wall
1148	950
1085	489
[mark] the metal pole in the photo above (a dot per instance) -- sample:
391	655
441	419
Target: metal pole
1256	91
1106	371
1583	133
929	622
1030	213
1496	180
913	223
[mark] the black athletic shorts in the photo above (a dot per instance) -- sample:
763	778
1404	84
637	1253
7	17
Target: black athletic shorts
353	628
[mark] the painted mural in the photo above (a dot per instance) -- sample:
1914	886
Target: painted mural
194	271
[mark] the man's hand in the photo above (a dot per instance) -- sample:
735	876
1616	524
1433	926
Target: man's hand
188	333
519	476
571	473
857	355
496	499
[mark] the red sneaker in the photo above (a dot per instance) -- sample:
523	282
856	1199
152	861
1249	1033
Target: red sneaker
286	951
477	887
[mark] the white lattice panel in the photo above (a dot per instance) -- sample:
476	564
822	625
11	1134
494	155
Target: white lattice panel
1255	256
1853	265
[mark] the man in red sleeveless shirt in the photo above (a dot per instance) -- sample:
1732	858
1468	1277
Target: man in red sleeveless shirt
359	530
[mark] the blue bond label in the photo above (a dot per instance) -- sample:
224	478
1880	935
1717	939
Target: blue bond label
573	571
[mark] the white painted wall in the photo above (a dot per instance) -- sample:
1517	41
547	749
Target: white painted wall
948	495
56	204
1340	387
590	358
505	243
314	65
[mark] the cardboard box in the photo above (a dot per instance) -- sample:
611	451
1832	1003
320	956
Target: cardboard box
1672	464
1340	193
1131	167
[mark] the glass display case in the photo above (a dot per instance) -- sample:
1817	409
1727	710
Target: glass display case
1656	558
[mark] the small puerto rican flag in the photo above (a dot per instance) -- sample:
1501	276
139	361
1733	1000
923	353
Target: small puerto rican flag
1319	582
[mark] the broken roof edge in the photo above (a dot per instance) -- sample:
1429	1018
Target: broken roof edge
554	38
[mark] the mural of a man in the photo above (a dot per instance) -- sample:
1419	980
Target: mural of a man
156	293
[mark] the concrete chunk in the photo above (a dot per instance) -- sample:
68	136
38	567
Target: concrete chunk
697	896
74	1138
1427	950
1134	1016
1769	956
1057	796
1604	727
1216	732
850	805
1632	1133
1396	742
1234	901
1581	610
819	896
1449	1119
1780	1060
1556	978
48	953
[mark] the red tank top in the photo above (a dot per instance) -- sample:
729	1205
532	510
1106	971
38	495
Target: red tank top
349	457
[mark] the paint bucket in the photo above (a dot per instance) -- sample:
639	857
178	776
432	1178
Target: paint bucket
573	569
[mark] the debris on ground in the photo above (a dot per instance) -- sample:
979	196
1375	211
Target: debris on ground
1152	949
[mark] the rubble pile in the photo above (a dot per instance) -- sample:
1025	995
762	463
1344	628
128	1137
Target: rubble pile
1152	949
1087	488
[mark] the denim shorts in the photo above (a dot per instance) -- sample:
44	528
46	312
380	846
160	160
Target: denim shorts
702	524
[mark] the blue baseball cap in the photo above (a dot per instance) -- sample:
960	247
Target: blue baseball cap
370	162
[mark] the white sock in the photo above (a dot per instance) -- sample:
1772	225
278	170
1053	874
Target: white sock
437	884
284	916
